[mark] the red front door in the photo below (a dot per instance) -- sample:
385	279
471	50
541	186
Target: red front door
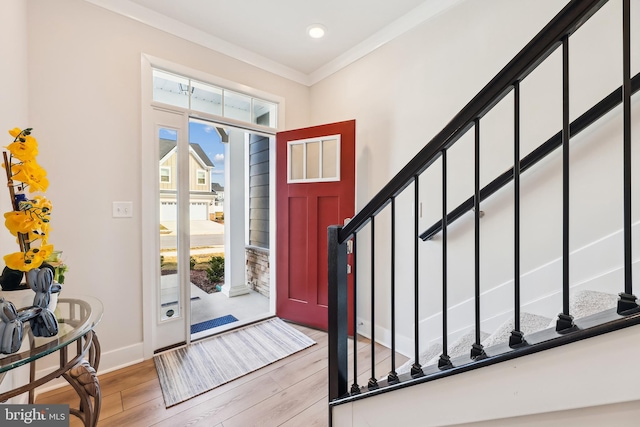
315	181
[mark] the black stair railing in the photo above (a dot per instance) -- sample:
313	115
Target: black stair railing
555	34
627	299
596	112
477	349
517	337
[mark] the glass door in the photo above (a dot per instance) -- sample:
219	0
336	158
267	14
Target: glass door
170	295
172	178
206	215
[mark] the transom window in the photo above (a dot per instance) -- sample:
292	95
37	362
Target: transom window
191	94
314	160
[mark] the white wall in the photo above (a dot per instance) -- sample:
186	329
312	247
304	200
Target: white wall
15	93
13	113
85	107
405	92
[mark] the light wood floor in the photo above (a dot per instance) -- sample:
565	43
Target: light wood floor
291	392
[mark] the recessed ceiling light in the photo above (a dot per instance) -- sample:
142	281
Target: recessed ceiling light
316	31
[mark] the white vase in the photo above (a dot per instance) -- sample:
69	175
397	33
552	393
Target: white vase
23	298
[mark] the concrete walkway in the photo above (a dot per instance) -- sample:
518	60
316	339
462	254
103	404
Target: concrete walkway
197	227
213	250
207	236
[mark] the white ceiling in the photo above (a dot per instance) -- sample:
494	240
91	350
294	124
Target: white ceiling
272	34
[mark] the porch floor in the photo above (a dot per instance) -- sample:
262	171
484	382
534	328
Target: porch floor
246	308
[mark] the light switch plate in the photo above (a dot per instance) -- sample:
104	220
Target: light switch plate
122	209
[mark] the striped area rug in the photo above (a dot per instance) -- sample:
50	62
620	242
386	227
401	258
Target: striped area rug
189	371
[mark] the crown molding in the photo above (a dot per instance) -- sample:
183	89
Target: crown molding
424	12
420	14
169	25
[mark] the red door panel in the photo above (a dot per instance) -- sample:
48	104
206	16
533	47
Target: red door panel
328	214
304	210
298	242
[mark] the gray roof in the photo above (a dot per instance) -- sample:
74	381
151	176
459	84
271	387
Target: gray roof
216	187
200	152
166	145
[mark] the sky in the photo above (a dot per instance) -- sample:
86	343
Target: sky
207	137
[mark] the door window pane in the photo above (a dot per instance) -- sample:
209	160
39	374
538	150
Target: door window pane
330	158
313	160
296	162
169	284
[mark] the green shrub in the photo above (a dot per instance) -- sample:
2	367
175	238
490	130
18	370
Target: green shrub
161	261
215	270
192	263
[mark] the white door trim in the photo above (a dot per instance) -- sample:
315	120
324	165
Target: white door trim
150	186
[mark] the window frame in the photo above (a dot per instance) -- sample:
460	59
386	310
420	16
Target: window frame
168	169
226	90
153	328
204	176
304	143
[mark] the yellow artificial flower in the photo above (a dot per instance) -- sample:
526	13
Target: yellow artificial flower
24	261
31	222
45	251
42	234
42	203
44	231
20	222
27	150
16	261
31	174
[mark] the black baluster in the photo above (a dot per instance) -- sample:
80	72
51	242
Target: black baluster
517	337
416	368
445	361
627	301
373	382
355	388
565	320
477	350
392	378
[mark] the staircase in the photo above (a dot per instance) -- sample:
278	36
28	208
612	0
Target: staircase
585	303
468	335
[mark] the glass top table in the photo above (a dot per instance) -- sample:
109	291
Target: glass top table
77	318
